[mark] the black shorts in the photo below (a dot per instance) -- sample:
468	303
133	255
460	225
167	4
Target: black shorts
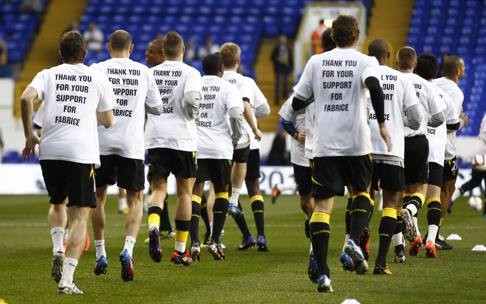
416	165
302	176
436	173
450	169
127	173
218	171
163	161
331	174
388	177
69	179
241	155
253	169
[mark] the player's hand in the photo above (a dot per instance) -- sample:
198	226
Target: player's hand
301	137
464	118
386	136
29	149
258	134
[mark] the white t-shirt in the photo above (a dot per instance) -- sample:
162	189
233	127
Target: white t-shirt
429	100
399	96
297	149
258	100
72	94
134	86
310	124
213	127
246	91
437	137
172	129
457	96
336	79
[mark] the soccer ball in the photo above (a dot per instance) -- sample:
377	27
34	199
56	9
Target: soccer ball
475	203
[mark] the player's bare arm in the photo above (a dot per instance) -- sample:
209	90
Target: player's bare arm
26	107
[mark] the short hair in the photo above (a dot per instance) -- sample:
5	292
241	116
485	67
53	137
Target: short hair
406	57
157	43
378	48
344	30
72	47
212	64
321	21
451	64
327	43
230	54
172	44
427	66
120	40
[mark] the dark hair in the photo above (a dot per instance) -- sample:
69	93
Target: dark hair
344	30
172	44
378	48
427	66
212	64
327	43
406	57
120	40
451	64
72	47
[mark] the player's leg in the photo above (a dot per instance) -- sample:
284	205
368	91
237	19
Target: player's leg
122	201
80	189
358	170
392	182
448	186
386	229
55	182
98	222
159	160
252	181
183	165
131	177
327	181
207	213
183	220
220	177
165	224
197	193
303	176
433	207
78	219
238	173
416	176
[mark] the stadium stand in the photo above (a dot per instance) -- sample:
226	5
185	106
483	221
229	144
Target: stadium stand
17	28
455	27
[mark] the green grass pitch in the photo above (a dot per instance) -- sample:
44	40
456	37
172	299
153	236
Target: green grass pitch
277	276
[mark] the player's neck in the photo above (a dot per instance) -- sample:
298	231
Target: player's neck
234	69
120	55
454	78
175	58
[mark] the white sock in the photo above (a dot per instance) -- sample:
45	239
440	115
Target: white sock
129	243
100	248
397	239
456	194
412	208
122	204
415	224
432	233
57	236
210	228
68	269
346	239
235	195
180	246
